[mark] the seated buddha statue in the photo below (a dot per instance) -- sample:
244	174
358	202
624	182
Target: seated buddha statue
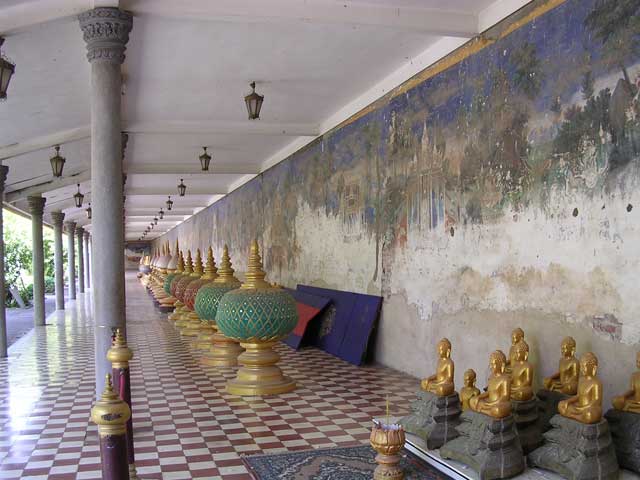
586	406
521	373
496	401
565	380
516	336
469	390
630	400
441	383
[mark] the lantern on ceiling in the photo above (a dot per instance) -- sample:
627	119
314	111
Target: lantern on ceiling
89	211
205	159
182	188
161	213
7	68
155	220
169	203
254	103
57	162
78	198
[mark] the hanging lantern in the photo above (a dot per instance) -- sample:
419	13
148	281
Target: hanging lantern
78	197
182	188
89	211
7	68
254	103
57	162
161	213
155	220
169	203
205	159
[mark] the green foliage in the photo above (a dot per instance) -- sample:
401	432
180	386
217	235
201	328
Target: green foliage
49	284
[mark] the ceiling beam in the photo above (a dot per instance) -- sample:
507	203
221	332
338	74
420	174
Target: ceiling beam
191	170
45	187
191	191
246	127
45	141
66	204
389	15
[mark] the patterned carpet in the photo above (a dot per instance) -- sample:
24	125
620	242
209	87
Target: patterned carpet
352	463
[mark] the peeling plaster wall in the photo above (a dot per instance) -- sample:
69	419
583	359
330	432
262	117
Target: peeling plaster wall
498	189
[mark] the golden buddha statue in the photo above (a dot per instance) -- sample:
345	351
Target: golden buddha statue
469	390
565	380
516	336
630	400
586	406
496	401
441	384
521	373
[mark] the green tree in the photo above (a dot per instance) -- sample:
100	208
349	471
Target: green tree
616	23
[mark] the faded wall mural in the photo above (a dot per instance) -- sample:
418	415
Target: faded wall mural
501	191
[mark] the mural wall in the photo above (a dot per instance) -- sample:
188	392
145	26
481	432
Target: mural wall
501	191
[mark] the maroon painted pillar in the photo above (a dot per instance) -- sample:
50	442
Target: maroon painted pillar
119	355
111	415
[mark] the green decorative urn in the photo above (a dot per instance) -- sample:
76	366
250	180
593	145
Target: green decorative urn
258	315
219	350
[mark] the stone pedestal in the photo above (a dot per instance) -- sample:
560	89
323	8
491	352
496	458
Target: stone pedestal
577	451
488	445
548	401
434	419
525	414
625	432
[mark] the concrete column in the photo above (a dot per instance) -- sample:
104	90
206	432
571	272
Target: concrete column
36	207
71	258
3	318
58	218
80	235
106	32
87	261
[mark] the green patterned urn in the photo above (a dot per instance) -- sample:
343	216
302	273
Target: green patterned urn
258	315
218	350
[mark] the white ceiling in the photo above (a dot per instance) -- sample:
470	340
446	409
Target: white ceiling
187	70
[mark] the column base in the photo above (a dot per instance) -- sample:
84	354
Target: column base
259	374
223	353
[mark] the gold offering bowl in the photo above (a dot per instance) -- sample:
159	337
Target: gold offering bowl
388	440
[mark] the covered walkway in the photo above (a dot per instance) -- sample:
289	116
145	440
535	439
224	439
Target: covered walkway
186	426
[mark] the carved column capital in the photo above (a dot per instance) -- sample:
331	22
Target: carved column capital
36	205
106	32
80	232
58	218
70	227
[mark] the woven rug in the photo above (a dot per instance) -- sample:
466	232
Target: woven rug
352	463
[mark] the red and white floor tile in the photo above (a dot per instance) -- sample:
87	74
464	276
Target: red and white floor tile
186	425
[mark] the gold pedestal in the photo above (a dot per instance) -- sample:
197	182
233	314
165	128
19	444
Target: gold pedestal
205	336
222	352
191	327
388	441
177	313
182	320
259	374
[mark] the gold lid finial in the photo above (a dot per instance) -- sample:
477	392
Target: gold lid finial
198	268
225	272
180	266
210	270
119	354
255	274
110	413
188	264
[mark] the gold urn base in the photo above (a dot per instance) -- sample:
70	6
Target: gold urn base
177	313
222	352
205	337
191	325
259	374
388	441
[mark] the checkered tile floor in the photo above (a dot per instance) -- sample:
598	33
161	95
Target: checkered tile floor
186	425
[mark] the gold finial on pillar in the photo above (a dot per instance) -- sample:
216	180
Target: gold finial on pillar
210	270
198	268
110	413
188	265
180	266
119	354
226	271
255	275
